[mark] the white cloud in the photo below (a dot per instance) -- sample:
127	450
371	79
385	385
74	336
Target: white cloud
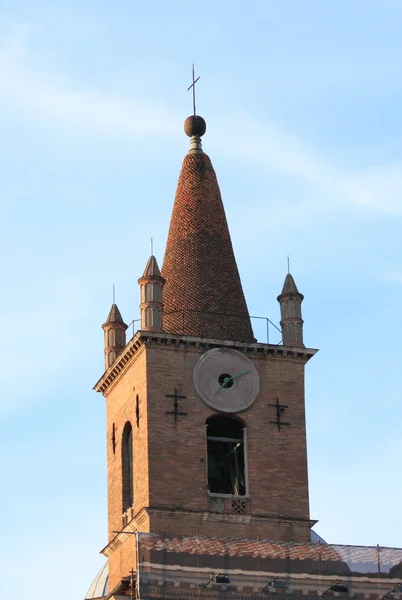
265	143
377	188
34	91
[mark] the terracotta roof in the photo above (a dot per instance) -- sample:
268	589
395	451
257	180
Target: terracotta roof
359	559
114	315
203	295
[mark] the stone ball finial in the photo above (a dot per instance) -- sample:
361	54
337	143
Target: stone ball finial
195	125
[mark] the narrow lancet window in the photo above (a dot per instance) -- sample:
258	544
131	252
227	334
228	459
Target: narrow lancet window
226	457
127	466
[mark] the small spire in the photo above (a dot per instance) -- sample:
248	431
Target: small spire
289	286
114	315
152	268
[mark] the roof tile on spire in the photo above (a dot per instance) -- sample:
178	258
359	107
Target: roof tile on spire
152	268
114	315
203	295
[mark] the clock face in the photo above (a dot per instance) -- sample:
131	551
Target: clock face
226	380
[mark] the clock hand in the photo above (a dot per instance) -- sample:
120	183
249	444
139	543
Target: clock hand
223	384
227	379
239	374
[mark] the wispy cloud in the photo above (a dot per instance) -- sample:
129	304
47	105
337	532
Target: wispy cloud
376	187
34	91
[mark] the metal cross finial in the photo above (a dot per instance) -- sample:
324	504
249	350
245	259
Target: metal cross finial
193	86
288	264
152	246
114	294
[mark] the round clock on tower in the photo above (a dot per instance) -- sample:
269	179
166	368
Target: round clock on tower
226	380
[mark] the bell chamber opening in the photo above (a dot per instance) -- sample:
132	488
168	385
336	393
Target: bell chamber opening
226	456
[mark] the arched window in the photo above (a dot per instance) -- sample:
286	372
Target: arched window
127	466
226	457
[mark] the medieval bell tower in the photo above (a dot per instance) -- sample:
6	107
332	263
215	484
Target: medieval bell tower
205	425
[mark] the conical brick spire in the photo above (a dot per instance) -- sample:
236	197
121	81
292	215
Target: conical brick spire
203	295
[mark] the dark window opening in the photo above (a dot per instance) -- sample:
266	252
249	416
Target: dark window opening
225	448
127	466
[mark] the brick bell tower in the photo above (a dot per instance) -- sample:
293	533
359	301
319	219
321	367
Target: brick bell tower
205	426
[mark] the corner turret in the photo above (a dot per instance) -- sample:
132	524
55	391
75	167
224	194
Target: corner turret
115	335
151	286
290	301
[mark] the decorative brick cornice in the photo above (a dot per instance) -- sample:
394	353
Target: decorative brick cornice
120	364
148	338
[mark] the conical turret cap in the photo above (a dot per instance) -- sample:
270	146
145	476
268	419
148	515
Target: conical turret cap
289	288
114	315
152	268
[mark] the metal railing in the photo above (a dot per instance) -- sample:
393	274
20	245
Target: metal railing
262	332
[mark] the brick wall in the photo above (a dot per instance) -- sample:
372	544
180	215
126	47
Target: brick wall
170	463
277	465
120	406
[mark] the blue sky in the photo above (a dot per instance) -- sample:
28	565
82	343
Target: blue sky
302	103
